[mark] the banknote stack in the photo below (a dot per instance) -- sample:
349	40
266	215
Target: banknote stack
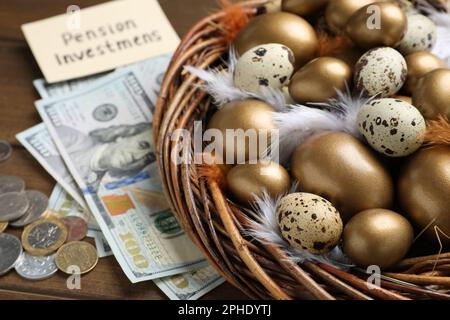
96	142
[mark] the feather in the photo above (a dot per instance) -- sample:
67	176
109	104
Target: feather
438	132
266	230
233	21
219	84
442	21
301	122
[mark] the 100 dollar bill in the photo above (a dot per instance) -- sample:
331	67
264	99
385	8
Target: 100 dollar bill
104	135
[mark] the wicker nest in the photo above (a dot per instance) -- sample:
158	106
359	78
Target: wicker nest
217	226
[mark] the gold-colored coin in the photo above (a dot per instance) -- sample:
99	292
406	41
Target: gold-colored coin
3	226
44	236
76	257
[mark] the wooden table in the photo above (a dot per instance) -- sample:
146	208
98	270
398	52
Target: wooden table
17	112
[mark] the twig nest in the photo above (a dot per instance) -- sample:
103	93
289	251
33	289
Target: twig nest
423	191
264	66
343	170
432	95
377	237
279	27
393	127
377	24
380	71
419	64
245	181
309	222
319	79
420	35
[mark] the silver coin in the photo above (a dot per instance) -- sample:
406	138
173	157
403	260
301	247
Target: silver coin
11	184
5	150
10	251
36	268
13	205
38	204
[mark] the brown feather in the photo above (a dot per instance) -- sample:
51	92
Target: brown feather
234	20
330	45
438	131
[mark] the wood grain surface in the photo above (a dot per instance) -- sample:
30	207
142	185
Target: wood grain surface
17	112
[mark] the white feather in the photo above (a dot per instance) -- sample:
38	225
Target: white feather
266	230
442	21
300	122
219	84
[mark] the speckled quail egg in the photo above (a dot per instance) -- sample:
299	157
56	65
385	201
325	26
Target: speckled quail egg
309	222
381	71
392	126
267	65
420	35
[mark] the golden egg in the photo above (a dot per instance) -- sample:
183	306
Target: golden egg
377	237
338	12
365	32
245	129
279	27
318	80
419	64
341	169
247	180
432	94
303	7
404	98
424	190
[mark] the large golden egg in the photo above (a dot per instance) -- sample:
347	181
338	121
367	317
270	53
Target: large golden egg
424	190
341	169
432	94
318	80
377	237
244	127
368	32
303	7
279	27
419	64
338	12
247	180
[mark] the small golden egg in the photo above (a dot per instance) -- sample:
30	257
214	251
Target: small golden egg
424	190
419	64
364	30
377	237
279	27
338	12
319	79
247	124
303	7
344	171
432	94
247	180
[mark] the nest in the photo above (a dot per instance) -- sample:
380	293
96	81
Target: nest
219	227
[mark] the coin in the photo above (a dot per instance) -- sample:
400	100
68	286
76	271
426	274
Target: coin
76	257
44	236
13	205
11	184
38	204
76	226
5	150
36	267
3	226
10	251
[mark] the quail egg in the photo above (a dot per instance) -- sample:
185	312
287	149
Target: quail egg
420	35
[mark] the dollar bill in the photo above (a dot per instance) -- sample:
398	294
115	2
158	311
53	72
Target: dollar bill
38	142
104	136
191	285
63	204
